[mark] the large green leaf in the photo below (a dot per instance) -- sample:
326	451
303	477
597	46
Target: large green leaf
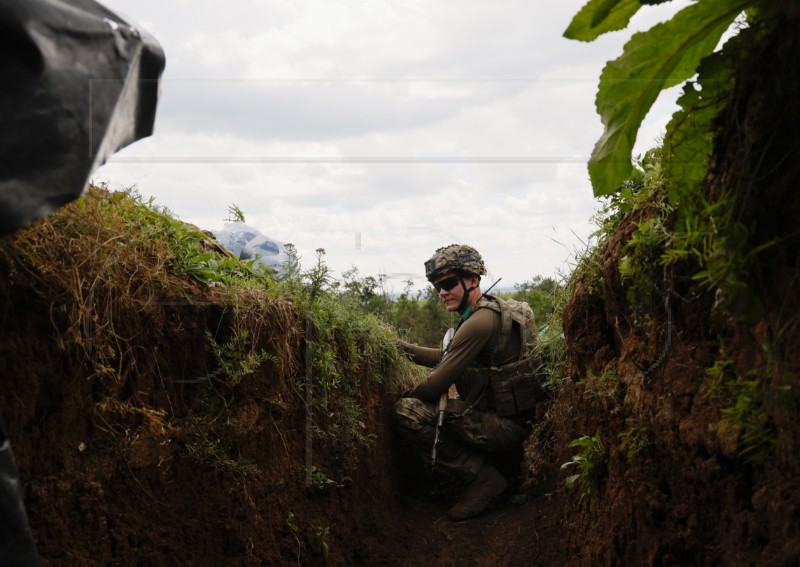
659	58
600	16
688	142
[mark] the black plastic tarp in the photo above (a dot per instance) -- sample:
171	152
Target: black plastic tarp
77	83
16	540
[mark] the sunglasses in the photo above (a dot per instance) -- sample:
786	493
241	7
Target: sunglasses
446	284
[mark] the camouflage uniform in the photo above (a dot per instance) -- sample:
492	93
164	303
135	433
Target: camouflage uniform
486	361
466	436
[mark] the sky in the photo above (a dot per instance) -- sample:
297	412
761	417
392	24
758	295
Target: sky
381	130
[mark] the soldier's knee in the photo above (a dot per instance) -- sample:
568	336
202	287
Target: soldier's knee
409	414
403	412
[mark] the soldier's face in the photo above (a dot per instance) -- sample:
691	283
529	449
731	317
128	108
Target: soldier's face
450	289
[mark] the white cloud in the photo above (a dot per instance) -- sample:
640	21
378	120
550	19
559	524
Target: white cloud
376	79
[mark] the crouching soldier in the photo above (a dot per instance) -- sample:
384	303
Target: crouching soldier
486	360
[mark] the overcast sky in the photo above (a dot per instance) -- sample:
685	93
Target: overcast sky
381	130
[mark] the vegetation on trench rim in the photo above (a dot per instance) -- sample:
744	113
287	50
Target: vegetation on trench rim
687	227
130	250
680	223
106	262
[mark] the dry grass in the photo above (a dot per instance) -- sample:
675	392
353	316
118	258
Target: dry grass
131	307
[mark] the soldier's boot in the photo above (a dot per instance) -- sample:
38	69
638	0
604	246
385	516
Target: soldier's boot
487	485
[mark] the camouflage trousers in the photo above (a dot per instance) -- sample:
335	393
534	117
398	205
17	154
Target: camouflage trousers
465	438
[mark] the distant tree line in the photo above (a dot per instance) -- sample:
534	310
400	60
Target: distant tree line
420	317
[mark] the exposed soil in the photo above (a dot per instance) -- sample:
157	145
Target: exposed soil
108	479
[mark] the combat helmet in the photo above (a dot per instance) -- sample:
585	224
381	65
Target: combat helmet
454	258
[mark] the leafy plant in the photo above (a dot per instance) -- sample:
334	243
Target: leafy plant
589	462
659	58
641	267
635	439
746	415
604	386
236	357
291	268
318	277
235	214
206	446
322	542
319	480
291	522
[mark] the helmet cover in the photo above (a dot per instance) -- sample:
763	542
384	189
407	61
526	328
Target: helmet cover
454	257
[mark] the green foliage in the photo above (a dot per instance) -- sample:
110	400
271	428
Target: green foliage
640	266
694	237
701	233
213	433
644	188
345	338
689	133
710	232
291	522
744	411
364	292
237	357
206	446
320	481
550	349
714	386
235	214
291	268
605	386
722	249
190	250
748	415
318	277
635	439
589	461
321	543
661	57
346	345
420	318
600	16
729	269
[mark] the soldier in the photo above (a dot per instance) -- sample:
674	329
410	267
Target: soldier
490	334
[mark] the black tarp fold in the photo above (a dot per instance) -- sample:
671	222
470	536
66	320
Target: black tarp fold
77	83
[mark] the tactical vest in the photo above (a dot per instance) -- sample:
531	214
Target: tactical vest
514	388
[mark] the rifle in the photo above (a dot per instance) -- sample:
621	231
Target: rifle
442	405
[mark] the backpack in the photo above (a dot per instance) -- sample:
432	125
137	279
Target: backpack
512	389
515	317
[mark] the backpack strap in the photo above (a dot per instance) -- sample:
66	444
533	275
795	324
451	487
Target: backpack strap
506	328
506	323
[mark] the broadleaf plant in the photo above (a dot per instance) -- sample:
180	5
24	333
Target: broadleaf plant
659	58
601	16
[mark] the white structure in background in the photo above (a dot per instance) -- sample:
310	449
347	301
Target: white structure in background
248	243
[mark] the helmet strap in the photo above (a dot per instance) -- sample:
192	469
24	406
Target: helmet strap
463	305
